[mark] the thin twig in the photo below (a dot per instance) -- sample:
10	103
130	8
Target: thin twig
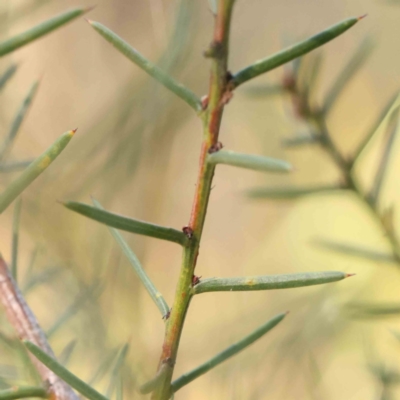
21	317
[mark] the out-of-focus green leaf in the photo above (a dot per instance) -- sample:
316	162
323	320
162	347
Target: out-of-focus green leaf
313	72
155	72
300	141
265	90
290	193
135	263
213	6
249	161
383	163
103	367
128	224
23	393
120	389
15	239
288	54
36	32
17	122
355	250
7	75
115	374
267	282
356	61
66	354
88	294
34	170
371	310
43	277
14	166
388	112
64	374
226	354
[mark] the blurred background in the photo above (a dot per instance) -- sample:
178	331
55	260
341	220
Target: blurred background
137	149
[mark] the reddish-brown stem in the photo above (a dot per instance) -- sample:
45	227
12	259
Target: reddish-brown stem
25	324
218	93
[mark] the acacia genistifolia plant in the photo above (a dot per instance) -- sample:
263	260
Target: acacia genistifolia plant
57	381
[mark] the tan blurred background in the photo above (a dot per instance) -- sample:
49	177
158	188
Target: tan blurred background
137	149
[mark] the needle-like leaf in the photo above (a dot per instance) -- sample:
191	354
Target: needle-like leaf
128	224
290	193
23	393
249	161
88	294
355	250
64	374
383	163
15	239
290	53
267	282
36	32
153	70
356	61
66	354
384	117
360	310
301	140
135	263
115	374
226	354
7	75
34	170
17	122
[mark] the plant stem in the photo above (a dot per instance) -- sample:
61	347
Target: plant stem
218	92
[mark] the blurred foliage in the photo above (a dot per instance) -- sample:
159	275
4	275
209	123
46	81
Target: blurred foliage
135	143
